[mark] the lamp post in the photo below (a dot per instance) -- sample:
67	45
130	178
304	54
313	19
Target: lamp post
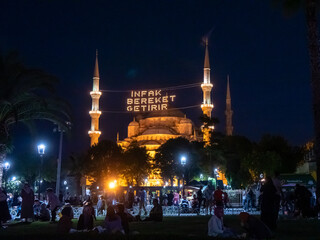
183	163
41	151
6	167
61	131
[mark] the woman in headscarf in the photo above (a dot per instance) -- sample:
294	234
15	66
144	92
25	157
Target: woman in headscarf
112	222
86	219
27	196
4	210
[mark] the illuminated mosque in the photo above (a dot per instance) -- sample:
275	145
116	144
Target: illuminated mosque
154	128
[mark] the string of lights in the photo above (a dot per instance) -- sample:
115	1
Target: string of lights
170	109
178	87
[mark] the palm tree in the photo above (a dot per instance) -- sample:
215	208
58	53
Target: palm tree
26	95
311	8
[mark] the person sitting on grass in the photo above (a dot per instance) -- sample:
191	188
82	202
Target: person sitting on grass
44	213
112	222
255	229
195	204
216	227
36	209
184	205
65	223
87	217
124	218
156	213
67	208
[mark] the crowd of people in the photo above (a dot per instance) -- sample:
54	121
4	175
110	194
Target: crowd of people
272	197
269	197
116	220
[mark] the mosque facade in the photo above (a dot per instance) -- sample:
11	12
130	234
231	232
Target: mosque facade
152	129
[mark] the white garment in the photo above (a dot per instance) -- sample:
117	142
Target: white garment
215	226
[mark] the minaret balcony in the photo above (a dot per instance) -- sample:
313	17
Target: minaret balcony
94	133
95	94
206	86
95	114
206	105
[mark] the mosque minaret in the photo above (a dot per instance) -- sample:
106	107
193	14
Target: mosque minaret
94	132
228	112
206	86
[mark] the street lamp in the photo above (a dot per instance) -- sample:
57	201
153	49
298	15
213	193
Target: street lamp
61	131
6	167
201	177
41	151
183	161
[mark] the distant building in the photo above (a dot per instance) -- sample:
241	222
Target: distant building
309	165
152	129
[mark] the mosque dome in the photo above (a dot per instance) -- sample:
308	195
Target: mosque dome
185	120
172	112
134	124
159	130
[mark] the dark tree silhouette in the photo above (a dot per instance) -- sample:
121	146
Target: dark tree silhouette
103	161
136	164
311	10
26	95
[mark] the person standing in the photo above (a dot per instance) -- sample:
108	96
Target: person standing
170	198
53	203
279	195
208	194
4	210
249	199
176	199
218	197
142	200
244	199
268	204
27	196
130	198
101	205
200	197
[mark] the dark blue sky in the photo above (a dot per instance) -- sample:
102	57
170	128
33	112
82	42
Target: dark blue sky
150	44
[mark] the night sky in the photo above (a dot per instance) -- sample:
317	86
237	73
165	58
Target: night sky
155	44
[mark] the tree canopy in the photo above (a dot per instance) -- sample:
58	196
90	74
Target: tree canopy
26	95
136	164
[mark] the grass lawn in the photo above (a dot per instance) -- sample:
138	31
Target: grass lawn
170	228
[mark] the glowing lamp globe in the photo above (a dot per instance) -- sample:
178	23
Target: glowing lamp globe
41	149
6	165
183	160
